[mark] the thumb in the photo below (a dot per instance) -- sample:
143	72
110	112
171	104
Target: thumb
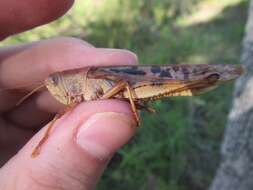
77	151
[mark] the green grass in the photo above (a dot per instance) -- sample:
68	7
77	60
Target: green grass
178	148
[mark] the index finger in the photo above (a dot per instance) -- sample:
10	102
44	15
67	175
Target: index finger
33	63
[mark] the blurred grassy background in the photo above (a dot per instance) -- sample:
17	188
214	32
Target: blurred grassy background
178	148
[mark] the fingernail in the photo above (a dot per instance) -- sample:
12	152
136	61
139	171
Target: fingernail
129	56
103	133
132	58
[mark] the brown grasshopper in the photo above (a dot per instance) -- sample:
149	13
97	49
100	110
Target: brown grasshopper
136	84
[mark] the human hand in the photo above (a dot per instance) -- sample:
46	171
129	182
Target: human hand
82	141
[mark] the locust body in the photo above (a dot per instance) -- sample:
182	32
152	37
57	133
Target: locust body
136	84
146	82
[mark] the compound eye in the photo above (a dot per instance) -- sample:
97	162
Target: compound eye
54	79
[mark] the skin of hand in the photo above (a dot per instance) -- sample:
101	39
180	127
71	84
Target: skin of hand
82	141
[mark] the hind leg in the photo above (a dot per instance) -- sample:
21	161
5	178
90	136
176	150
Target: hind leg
122	85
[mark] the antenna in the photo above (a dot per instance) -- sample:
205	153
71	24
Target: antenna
29	94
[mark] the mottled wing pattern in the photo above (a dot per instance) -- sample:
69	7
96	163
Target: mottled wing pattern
169	73
169	79
154	73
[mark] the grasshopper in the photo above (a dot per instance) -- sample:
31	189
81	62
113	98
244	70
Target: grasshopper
136	84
